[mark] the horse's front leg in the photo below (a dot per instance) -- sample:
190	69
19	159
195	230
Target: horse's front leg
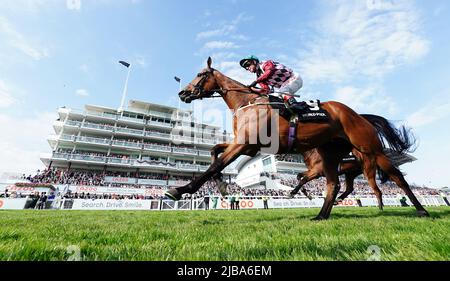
304	178
217	149
218	178
231	153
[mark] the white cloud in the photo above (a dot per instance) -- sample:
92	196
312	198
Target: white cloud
220	45
358	38
141	61
366	100
233	70
6	98
428	114
73	5
23	140
82	93
226	28
18	41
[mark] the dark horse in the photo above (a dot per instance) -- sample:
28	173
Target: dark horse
343	123
399	141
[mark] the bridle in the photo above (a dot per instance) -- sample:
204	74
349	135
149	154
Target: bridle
201	91
199	86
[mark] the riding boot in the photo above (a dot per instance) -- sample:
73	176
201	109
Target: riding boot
291	101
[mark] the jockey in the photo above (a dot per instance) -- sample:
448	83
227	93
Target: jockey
273	74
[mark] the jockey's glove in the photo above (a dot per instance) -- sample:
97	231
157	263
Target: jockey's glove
253	84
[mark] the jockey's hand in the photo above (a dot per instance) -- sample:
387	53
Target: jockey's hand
253	84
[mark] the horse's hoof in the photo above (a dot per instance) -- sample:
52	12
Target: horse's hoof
173	194
310	197
223	189
291	196
319	218
423	214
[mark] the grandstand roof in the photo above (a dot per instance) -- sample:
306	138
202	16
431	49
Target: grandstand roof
146	106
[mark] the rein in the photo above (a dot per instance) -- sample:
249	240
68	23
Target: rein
244	90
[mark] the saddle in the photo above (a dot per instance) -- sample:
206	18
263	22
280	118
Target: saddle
299	111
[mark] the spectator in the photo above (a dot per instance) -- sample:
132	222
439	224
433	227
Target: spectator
265	199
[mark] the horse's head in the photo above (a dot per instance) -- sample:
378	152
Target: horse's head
203	86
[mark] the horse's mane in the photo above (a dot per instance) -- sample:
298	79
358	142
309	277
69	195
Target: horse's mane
235	81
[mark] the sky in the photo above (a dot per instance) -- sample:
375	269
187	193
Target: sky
384	57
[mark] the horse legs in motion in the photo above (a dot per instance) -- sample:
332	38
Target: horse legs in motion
396	176
330	170
218	178
231	153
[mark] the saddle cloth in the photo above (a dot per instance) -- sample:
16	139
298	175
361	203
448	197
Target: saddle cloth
306	111
349	158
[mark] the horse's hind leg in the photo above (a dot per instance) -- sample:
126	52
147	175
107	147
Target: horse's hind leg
370	168
395	175
330	171
349	181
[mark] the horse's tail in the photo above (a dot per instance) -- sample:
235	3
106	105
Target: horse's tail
399	140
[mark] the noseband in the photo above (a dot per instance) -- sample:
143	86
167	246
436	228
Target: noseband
199	86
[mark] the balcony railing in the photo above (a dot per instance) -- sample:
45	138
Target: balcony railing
98	126
184	150
131	119
102	114
68	137
93	140
156	147
161	114
129	131
84	157
127	144
73	123
60	155
157	134
125	161
204	153
161	124
191	167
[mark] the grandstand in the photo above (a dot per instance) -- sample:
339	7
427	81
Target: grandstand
146	145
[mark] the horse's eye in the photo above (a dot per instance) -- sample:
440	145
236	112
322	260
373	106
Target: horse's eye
200	75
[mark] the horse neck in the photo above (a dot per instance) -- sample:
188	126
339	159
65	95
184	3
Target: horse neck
233	98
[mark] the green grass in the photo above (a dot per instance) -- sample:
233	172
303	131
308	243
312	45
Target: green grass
225	235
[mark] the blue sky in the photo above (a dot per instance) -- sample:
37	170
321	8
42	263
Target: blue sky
378	56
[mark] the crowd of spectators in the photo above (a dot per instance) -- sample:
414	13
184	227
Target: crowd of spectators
289	158
315	188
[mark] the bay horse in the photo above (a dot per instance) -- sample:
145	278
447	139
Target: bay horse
399	141
343	123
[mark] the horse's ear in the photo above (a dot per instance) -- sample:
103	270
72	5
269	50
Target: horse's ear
209	62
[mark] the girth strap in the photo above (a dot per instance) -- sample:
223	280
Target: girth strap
292	131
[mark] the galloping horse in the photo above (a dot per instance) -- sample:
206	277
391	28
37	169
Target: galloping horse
399	141
343	123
